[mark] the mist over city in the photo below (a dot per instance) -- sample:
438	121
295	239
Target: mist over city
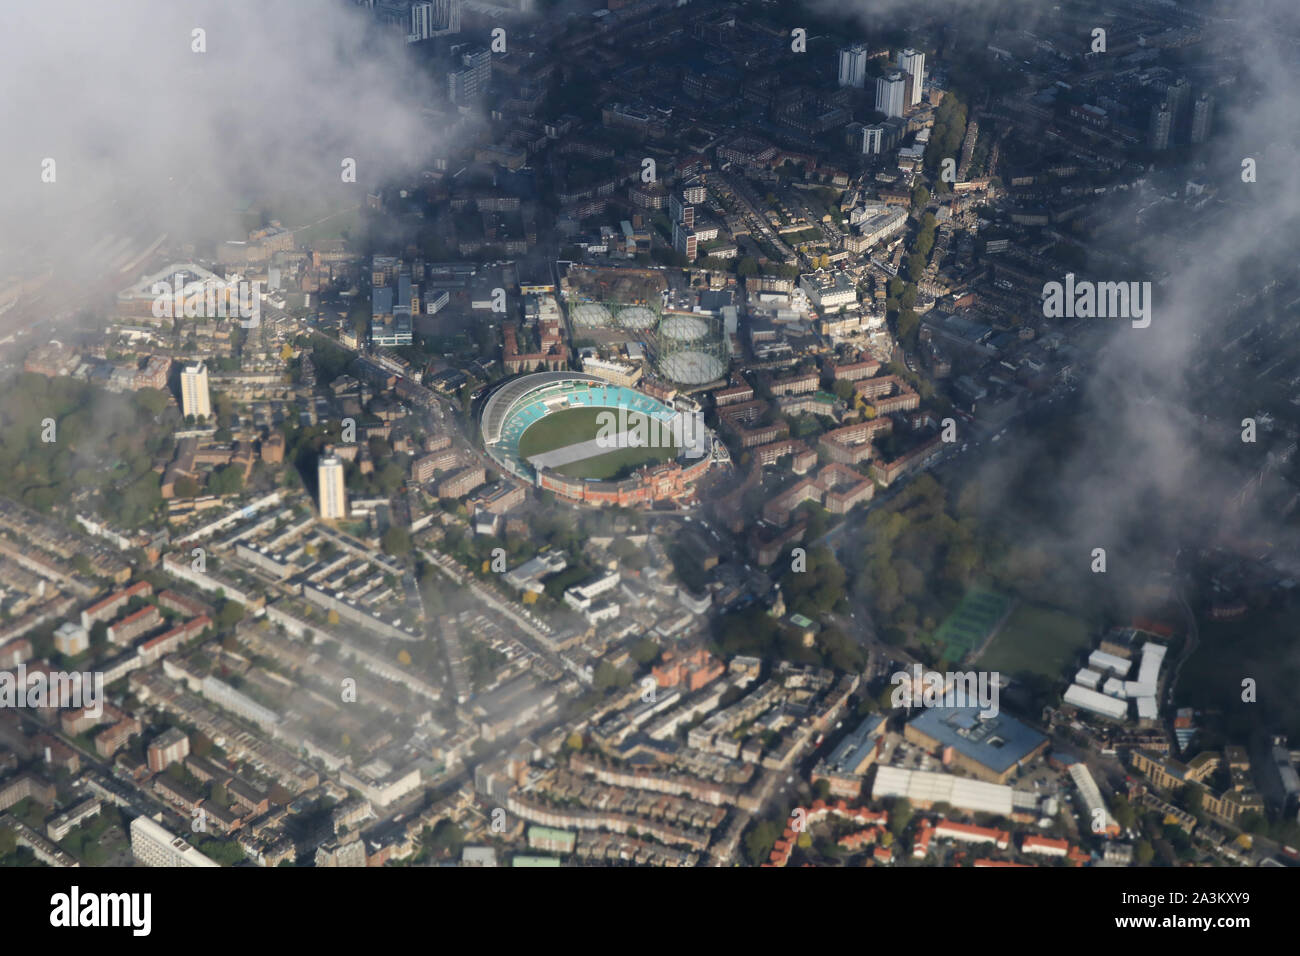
557	433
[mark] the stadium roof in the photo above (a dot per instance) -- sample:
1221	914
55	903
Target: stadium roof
499	404
998	743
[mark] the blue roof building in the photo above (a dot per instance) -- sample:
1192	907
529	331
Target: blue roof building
990	748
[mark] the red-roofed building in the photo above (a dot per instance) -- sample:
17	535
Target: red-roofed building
133	625
1044	846
968	833
921	845
107	609
860	838
691	671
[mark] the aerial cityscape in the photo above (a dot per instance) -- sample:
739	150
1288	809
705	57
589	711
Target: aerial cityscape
657	433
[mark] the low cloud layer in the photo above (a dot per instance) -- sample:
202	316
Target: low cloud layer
147	134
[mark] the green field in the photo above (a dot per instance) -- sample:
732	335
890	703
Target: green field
574	425
1039	640
555	431
615	464
970	623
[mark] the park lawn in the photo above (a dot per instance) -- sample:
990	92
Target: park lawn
335	226
1039	640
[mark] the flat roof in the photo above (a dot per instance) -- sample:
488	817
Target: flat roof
961	792
998	742
1081	696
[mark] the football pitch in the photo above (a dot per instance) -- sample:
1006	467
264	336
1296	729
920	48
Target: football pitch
579	427
966	628
1039	640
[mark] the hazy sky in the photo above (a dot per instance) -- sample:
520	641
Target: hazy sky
114	93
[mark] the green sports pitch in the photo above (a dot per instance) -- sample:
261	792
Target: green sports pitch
575	426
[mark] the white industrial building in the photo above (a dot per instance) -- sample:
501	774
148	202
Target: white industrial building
1087	678
1102	662
1153	657
1090	700
923	787
580	596
1115	692
1092	801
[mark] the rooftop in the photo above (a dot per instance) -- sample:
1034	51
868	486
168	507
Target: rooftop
995	742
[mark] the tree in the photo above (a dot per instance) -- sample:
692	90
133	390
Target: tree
607	676
226	480
645	650
747	266
397	541
760	840
445	839
1123	812
151	400
900	815
1143	853
1253	822
909	323
915	266
230	614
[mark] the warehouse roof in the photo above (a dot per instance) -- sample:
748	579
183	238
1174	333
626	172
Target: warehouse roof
1095	702
961	792
999	742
